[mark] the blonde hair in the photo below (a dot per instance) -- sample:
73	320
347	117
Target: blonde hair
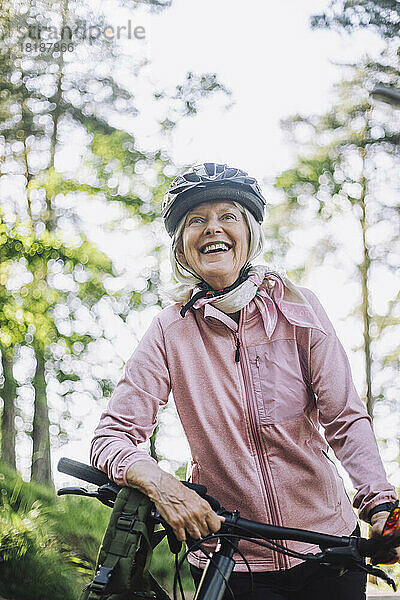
187	279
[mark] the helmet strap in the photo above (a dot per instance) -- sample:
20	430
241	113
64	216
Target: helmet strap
207	291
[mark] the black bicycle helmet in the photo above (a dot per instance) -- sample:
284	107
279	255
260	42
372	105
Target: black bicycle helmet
207	182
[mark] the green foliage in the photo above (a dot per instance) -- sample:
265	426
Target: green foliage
49	545
28	316
120	165
307	177
57	538
155	5
323	180
196	87
118	146
29	563
34	302
187	97
30	554
383	16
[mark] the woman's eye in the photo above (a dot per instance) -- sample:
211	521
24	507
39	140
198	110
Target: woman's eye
226	217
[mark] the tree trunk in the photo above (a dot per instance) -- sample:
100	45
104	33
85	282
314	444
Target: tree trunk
366	314
8	432
41	461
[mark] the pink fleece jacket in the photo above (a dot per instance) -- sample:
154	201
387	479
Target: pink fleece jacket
253	430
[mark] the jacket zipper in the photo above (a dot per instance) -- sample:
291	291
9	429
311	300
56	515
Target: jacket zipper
237	351
282	562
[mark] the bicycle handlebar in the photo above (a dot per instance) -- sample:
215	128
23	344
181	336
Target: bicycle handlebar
97	477
387	94
82	471
367	548
335	550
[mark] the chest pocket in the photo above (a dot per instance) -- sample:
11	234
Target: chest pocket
280	390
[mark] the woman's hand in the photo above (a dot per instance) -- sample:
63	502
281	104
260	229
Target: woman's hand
183	509
392	555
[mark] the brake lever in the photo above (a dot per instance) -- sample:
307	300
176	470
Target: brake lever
354	561
379	573
76	491
106	493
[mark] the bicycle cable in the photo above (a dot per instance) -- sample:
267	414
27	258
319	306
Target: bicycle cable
271	545
179	580
210	558
197	546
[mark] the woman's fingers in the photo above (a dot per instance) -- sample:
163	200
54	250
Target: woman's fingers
210	523
188	514
193	528
199	523
214	521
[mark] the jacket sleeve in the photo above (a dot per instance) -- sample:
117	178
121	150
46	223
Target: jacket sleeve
348	427
131	414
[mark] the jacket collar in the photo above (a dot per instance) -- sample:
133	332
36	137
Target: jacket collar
211	311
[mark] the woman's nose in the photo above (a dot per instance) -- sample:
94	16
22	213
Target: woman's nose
212	226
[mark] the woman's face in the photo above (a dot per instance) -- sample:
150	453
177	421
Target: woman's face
215	242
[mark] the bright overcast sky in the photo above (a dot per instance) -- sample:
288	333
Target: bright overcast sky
266	53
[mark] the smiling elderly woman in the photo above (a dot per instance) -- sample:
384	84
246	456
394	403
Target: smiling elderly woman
255	369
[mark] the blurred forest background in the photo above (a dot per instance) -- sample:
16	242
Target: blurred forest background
68	145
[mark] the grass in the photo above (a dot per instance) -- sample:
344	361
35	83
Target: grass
163	569
31	565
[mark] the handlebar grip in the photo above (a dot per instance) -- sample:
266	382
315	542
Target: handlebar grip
82	471
387	94
201	490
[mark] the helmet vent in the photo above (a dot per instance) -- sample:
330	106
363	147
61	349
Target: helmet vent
210	169
193	177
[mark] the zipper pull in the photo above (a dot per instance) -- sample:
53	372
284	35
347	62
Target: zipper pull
257	362
237	353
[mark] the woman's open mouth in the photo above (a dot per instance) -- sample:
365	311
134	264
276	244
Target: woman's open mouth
215	248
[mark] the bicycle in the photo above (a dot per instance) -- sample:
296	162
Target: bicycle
340	552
